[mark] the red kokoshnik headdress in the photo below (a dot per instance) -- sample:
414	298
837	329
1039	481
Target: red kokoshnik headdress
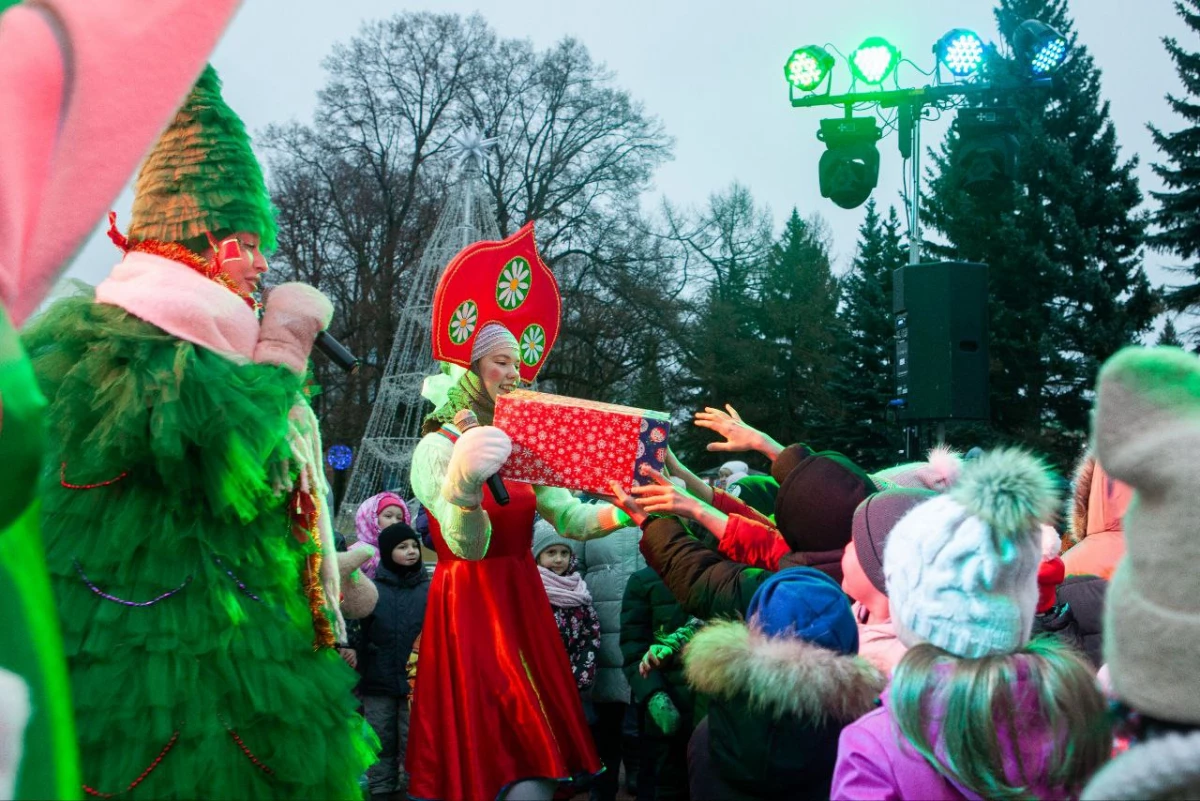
502	282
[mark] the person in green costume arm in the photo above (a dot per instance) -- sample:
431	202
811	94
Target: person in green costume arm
190	557
72	73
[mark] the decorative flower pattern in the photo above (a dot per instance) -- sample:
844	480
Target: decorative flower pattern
514	283
463	322
533	344
579	627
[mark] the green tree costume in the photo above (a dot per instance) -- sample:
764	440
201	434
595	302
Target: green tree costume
178	580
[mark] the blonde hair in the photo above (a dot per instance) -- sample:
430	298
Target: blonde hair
972	696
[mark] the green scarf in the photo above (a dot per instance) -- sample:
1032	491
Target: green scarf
468	393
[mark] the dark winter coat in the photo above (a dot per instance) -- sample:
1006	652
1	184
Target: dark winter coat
705	583
1084	595
776	708
390	631
580	630
649	609
606	564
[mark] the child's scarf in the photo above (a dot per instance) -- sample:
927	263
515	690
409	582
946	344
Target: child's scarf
566	591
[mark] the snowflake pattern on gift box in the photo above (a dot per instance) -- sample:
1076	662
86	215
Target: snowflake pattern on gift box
514	283
550	448
463	322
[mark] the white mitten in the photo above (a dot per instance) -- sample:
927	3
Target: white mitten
478	454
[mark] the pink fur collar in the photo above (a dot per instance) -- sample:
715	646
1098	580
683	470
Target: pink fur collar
183	303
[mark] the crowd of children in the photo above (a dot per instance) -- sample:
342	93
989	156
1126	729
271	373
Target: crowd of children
950	652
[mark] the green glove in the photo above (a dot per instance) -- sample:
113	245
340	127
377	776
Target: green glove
663	713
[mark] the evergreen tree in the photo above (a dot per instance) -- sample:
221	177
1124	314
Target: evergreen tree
720	355
1066	284
798	331
1178	217
866	378
1169	336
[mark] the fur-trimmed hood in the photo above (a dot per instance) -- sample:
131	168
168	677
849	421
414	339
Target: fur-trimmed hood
781	676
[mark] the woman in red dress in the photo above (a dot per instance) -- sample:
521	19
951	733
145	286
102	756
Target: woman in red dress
495	710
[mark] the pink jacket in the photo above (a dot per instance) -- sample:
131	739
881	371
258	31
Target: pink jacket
87	86
1097	515
874	762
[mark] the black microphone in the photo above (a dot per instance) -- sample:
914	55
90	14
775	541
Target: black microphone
464	421
336	352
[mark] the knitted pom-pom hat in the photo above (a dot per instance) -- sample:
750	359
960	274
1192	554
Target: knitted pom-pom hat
961	569
202	177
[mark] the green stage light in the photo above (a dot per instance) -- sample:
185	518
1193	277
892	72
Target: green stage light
1040	47
874	60
807	67
849	169
961	52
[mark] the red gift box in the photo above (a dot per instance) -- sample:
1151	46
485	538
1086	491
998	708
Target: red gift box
578	444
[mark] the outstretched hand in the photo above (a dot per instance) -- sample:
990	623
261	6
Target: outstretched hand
738	435
628	504
663	497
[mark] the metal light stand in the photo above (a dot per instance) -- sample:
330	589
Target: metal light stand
910	105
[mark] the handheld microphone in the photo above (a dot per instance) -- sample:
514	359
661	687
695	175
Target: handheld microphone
464	421
336	352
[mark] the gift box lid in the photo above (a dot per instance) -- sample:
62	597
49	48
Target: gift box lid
529	396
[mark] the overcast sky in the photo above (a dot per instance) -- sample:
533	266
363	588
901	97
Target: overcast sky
712	71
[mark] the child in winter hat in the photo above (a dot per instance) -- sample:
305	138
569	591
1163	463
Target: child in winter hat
975	709
961	569
373	516
862	573
576	617
782	686
1146	432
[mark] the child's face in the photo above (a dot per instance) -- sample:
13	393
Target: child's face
500	372
390	515
854	581
556	559
407	553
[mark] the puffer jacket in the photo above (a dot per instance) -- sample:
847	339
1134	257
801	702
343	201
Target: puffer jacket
648	610
390	631
606	564
776	708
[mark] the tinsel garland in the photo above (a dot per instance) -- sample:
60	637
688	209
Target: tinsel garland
306	513
176	252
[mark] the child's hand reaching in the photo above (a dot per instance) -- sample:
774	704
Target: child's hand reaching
628	504
663	497
739	436
653	658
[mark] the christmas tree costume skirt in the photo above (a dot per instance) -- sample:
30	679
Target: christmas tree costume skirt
177	579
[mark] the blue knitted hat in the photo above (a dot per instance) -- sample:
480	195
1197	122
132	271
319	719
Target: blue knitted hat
805	603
